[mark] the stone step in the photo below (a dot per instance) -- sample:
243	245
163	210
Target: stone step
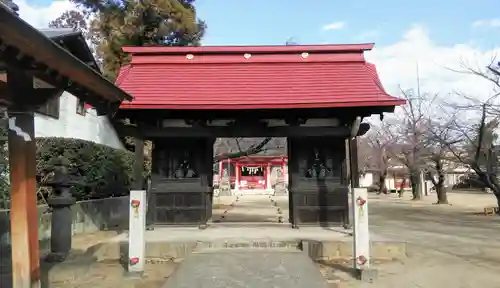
260	268
245	244
229	224
331	250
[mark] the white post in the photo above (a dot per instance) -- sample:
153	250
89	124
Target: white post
361	233
137	232
269	187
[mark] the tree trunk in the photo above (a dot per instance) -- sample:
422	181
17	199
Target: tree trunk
402	188
497	195
382	187
415	186
442	198
491	183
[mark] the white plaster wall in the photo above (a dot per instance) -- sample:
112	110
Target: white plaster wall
90	127
366	179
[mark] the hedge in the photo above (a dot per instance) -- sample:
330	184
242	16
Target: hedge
102	171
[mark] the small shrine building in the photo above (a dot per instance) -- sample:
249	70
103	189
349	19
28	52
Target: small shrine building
253	174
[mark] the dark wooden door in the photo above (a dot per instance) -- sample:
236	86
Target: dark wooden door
318	187
181	182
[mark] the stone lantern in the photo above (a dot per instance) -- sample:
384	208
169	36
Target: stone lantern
60	201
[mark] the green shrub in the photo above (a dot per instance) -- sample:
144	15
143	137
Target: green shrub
101	170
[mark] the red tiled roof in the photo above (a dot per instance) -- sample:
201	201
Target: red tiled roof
261	77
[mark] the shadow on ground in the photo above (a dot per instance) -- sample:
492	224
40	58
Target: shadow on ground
95	266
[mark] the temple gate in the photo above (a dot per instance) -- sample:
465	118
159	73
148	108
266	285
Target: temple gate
186	97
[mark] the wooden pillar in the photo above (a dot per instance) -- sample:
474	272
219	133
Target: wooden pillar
22	161
23	205
268	176
221	170
353	157
139	164
283	168
237	177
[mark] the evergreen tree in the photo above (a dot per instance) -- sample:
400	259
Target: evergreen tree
111	24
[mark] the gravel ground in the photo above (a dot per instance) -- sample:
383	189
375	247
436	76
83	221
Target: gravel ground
448	246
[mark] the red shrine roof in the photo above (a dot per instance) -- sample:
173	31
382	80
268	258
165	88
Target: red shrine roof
252	77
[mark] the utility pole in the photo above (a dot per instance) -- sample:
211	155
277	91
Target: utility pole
423	183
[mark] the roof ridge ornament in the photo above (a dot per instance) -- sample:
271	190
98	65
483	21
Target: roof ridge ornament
247	55
189	56
304	55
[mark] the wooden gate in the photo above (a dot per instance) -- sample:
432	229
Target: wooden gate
318	190
181	183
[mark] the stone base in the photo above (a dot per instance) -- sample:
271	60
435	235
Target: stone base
280	190
367	275
55	257
253	191
225	191
133	274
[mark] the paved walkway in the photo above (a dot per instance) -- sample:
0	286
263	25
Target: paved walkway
260	209
246	217
250	268
247	270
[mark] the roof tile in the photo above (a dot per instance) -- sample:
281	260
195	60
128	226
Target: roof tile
221	82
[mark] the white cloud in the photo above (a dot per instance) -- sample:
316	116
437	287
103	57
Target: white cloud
334	26
40	16
397	65
487	23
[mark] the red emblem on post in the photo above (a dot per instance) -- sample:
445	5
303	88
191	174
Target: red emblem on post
133	261
361	201
135	205
362	260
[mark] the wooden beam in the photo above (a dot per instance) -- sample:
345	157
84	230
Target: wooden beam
24	93
354	166
23	209
5	98
145	132
138	164
18	34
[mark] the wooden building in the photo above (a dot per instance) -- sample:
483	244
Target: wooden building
185	97
27	57
253	174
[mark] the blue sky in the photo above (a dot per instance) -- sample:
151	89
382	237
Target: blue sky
436	34
382	21
258	22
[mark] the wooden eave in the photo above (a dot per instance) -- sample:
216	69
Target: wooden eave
29	50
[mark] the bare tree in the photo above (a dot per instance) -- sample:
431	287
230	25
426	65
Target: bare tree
440	136
477	149
373	153
227	148
409	136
